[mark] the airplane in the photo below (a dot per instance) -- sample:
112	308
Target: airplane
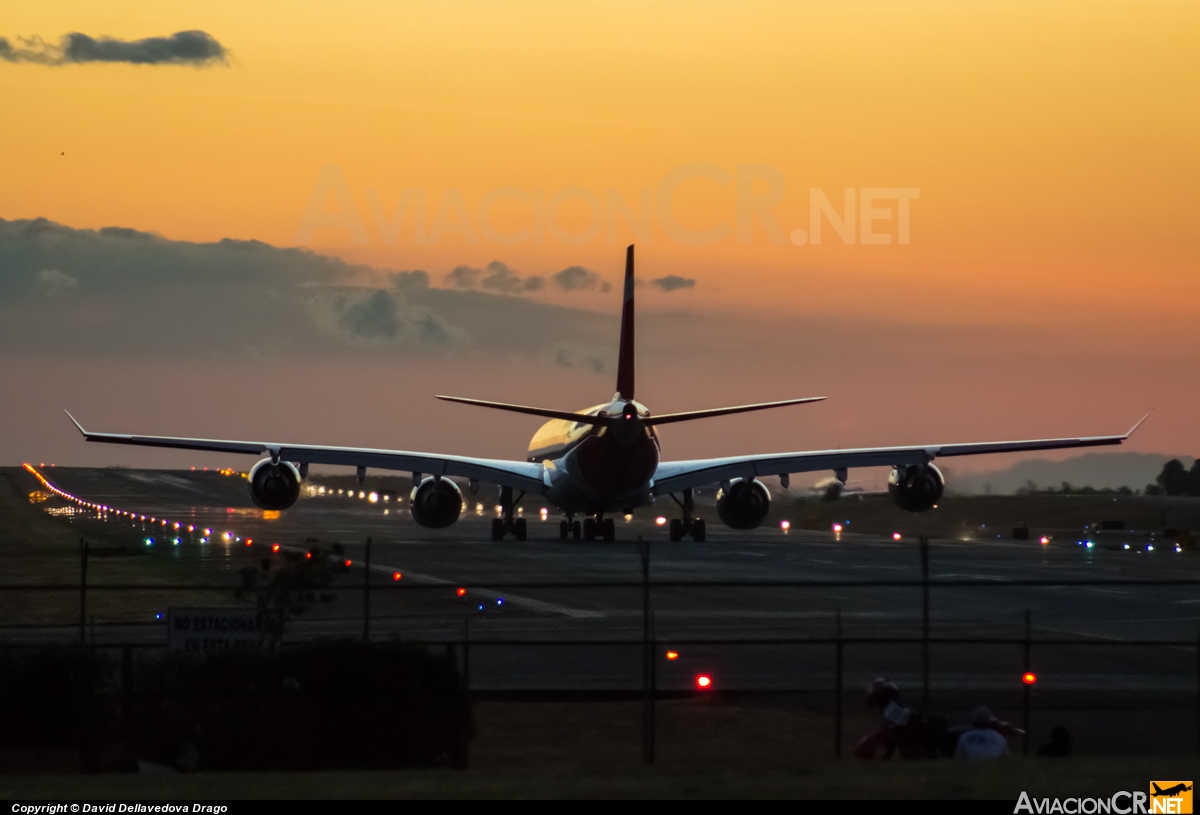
595	462
1170	792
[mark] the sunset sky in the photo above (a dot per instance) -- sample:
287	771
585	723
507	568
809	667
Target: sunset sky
1049	283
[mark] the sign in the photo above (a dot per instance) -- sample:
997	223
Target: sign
208	630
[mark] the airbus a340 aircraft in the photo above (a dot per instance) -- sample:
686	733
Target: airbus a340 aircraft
599	461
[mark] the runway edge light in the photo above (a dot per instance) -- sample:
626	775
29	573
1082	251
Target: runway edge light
1029	678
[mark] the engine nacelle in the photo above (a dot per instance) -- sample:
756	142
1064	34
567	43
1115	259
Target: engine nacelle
436	504
917	487
274	486
744	505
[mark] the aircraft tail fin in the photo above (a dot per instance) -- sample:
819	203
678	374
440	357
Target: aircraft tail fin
625	357
1157	788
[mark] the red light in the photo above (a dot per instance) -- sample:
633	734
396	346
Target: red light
1029	678
397	576
275	548
895	536
462	592
672	655
348	564
703	681
249	542
308	555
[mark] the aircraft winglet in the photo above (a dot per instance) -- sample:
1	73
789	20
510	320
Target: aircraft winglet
75	422
1139	424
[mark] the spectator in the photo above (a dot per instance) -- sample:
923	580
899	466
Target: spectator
1059	744
982	741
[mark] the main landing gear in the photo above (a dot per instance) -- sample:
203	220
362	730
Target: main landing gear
687	525
508	525
592	528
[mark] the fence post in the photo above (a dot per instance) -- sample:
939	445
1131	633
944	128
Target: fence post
837	687
83	564
1028	668
367	594
924	622
647	658
653	688
466	651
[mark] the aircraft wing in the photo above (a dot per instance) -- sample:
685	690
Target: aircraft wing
521	475
678	475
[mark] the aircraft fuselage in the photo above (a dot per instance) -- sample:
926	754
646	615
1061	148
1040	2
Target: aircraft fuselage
598	469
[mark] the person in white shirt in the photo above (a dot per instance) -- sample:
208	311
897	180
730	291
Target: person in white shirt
982	741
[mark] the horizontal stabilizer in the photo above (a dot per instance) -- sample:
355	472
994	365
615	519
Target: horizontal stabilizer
534	411
668	418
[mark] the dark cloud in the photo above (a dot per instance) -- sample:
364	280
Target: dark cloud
673	282
577	278
383	316
181	48
498	276
128	294
570	355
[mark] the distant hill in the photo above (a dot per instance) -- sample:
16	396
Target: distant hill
1099	470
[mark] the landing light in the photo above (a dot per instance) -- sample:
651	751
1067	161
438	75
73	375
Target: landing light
895	536
785	525
1045	540
660	521
628	517
373	497
837	527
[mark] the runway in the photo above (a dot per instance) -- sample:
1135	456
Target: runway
587	636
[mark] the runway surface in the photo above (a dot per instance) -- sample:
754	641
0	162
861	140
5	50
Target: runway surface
568	634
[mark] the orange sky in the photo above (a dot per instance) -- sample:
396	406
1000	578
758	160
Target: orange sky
1053	144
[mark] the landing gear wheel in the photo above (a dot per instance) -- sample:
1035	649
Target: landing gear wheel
698	532
563	529
520	528
575	530
589	529
609	529
497	529
676	529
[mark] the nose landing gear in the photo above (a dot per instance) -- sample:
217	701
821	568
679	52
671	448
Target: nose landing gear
592	528
687	525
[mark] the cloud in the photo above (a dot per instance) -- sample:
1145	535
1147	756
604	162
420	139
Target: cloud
570	355
126	294
51	282
577	278
673	282
181	48
498	276
384	317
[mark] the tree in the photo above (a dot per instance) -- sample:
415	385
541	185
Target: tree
291	589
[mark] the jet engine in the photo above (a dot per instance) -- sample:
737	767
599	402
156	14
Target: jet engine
744	504
274	486
436	503
917	487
